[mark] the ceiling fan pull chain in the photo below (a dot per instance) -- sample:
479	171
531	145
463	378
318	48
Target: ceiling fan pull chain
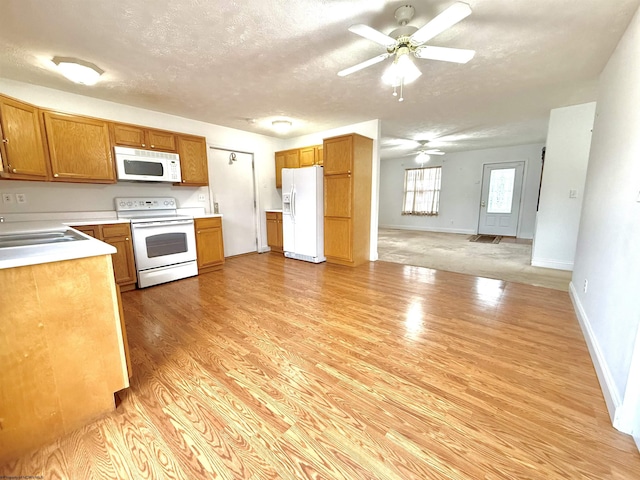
401	99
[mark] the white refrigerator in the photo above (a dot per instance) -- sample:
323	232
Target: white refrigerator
303	213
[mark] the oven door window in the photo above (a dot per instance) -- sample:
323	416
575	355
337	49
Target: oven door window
166	244
140	167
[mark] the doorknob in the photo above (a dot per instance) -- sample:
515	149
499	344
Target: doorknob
482	204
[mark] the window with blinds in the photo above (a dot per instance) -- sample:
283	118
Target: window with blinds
422	191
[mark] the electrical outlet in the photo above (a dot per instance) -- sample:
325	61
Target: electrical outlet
7	198
202	197
586	285
573	193
21	198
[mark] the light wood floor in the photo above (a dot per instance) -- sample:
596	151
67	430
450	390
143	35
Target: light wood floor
274	368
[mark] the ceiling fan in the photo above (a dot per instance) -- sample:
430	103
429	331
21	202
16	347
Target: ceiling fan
424	153
407	40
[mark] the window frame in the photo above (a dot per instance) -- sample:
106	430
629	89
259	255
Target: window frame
430	194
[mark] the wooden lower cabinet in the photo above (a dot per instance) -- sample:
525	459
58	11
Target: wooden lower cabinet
63	353
274	231
209	244
338	239
117	235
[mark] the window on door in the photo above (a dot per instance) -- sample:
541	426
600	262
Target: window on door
422	191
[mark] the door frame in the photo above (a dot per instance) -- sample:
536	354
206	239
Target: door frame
256	193
522	191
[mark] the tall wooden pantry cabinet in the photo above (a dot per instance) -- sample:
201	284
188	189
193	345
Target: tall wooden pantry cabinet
347	199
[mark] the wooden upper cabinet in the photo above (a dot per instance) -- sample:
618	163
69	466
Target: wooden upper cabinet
338	155
307	156
23	150
193	160
79	148
319	155
279	167
128	135
159	140
292	159
140	137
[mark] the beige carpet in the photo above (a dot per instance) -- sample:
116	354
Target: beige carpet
509	260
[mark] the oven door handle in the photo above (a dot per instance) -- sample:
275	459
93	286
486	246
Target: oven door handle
161	224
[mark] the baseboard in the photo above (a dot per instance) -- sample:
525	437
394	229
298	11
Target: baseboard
555	264
429	229
611	396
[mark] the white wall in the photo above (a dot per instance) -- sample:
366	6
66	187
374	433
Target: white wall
565	169
369	129
608	248
460	191
56	197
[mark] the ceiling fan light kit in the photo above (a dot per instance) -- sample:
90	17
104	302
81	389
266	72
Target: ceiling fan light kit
406	40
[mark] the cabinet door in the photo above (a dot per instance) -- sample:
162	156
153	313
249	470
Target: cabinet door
272	230
23	151
319	155
280	243
209	242
292	159
337	195
79	149
128	135
279	167
307	156
159	140
338	155
123	263
193	160
338	239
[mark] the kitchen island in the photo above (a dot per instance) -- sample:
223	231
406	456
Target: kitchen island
62	341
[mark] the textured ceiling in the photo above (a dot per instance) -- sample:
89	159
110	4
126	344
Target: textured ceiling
226	62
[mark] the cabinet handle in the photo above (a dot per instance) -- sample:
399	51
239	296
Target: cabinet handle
153	146
198	231
127	239
55	175
14	170
183	181
5	140
143	145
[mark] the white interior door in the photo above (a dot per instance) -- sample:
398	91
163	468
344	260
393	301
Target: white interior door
231	186
501	198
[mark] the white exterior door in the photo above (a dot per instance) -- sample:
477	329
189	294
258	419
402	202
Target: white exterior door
231	186
501	198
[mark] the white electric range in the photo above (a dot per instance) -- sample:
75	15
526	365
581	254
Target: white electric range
164	243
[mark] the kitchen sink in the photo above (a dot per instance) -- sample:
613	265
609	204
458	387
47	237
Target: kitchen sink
39	238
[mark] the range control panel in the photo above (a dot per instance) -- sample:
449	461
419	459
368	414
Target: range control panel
145	203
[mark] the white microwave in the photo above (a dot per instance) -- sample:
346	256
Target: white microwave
134	164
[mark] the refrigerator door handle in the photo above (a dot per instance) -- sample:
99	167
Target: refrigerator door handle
293	204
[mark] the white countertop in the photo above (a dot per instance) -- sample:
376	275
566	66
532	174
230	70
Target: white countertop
11	257
208	215
274	210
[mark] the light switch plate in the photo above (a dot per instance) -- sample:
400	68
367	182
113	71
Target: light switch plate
21	198
7	198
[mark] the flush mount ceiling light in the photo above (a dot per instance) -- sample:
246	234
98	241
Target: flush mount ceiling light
281	126
407	40
78	71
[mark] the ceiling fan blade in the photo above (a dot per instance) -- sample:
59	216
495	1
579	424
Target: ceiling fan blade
365	64
373	35
456	55
439	24
434	152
